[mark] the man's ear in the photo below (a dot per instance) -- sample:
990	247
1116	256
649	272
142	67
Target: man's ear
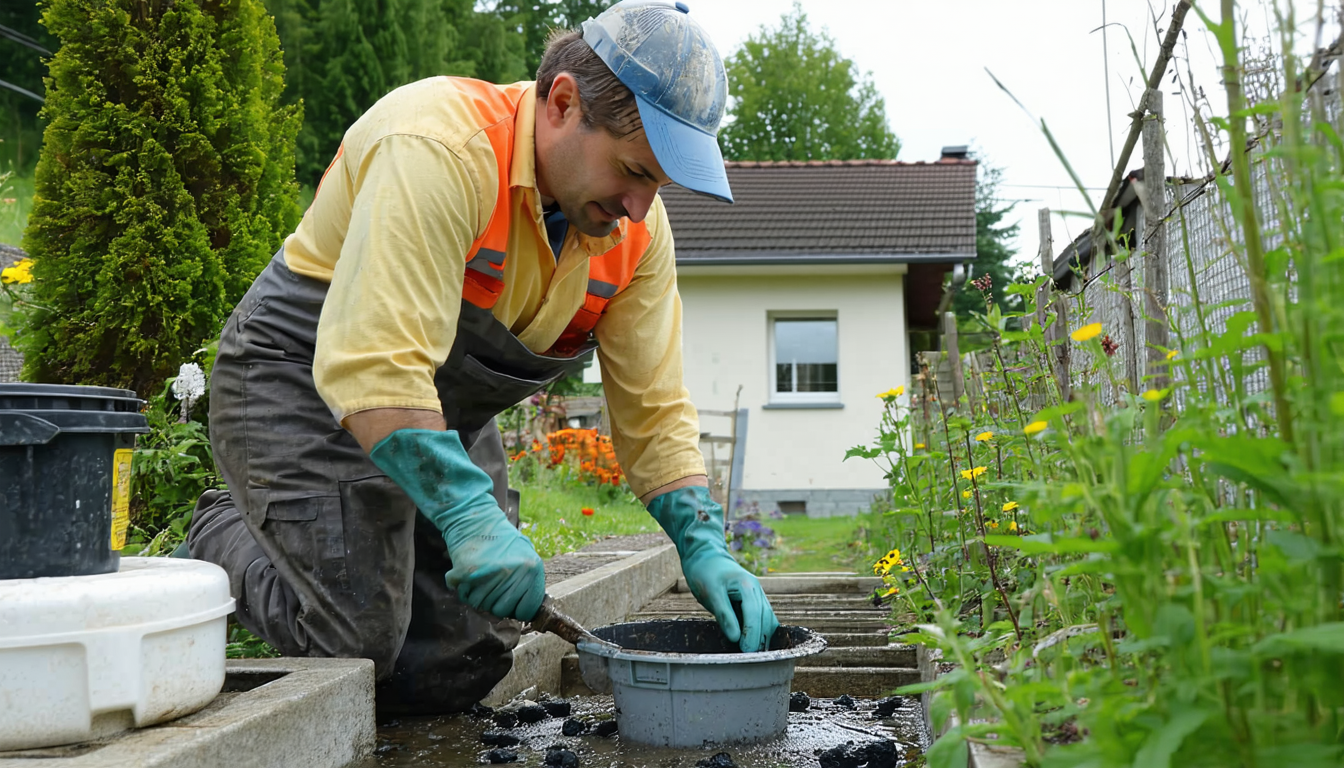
562	104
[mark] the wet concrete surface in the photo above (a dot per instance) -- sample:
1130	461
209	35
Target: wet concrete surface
455	742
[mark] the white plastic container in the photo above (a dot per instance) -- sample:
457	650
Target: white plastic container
82	657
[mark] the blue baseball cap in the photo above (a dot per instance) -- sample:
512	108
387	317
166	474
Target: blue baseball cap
665	58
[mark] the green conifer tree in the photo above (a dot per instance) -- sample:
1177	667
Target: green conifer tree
164	184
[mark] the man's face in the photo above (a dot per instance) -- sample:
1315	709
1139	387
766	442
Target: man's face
595	177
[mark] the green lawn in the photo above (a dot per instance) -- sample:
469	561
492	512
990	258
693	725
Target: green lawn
819	544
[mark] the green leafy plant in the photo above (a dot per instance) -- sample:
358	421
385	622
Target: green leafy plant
1150	575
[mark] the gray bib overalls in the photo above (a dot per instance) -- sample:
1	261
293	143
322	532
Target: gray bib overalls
327	556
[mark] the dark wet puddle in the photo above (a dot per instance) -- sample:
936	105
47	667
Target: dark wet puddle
455	742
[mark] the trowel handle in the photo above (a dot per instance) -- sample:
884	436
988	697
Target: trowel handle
549	618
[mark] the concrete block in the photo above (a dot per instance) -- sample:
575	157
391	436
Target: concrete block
602	596
879	656
929	664
273	713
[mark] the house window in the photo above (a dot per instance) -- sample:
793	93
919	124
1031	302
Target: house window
804	360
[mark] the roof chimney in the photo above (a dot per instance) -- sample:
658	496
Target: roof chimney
960	152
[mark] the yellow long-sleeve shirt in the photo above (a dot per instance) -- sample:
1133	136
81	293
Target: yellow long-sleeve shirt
389	228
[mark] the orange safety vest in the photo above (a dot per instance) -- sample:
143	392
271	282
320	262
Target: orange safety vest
608	273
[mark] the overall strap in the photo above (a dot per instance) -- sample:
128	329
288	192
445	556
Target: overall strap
608	275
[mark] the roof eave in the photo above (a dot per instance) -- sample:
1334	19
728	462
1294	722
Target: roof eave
727	259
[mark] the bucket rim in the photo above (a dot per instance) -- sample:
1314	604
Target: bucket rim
66	390
812	644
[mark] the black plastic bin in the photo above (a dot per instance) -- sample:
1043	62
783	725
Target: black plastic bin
65	461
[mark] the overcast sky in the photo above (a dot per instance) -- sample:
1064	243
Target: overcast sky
929	61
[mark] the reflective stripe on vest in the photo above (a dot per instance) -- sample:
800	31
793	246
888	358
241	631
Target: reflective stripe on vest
608	273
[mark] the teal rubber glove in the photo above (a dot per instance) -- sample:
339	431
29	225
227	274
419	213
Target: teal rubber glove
495	568
695	523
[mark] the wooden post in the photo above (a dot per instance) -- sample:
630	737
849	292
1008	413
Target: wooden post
1056	349
953	356
1155	285
1047	251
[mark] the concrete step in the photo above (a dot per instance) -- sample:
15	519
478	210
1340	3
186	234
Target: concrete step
868	682
786	585
800	618
844	601
856	639
822	624
892	655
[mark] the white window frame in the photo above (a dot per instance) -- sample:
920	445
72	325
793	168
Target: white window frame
801	398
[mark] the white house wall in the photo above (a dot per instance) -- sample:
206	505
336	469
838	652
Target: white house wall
797	454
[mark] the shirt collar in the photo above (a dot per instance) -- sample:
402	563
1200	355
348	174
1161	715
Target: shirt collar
523	173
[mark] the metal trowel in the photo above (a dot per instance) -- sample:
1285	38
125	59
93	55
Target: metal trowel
592	666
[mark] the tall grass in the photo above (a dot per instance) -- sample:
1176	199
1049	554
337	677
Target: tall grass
1156	581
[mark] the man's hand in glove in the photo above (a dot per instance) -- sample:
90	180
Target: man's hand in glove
695	523
495	568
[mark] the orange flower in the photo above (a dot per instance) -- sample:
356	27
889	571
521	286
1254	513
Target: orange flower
588	511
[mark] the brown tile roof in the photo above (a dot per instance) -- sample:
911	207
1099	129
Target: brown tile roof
825	211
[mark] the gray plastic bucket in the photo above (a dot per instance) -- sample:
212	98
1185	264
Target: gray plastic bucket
680	683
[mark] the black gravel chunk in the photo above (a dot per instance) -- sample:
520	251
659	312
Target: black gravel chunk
480	710
880	754
557	708
874	754
502	756
841	757
888	706
562	758
499	739
843	700
721	760
390	724
531	713
605	728
799	702
574	727
506	719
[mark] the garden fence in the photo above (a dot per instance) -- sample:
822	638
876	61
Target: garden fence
1191	261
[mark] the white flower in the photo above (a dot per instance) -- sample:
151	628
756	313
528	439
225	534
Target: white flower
190	384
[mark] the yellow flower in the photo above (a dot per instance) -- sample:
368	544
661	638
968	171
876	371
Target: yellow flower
1173	354
992	524
890	592
1012	526
1086	332
983	436
918	446
965	494
1155	395
20	273
1010	506
1034	427
967	474
892	394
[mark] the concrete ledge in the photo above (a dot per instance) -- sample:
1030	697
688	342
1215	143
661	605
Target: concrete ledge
601	596
979	755
273	713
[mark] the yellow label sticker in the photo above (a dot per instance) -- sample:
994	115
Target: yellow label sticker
121	496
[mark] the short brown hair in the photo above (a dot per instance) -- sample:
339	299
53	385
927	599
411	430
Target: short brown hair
605	101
